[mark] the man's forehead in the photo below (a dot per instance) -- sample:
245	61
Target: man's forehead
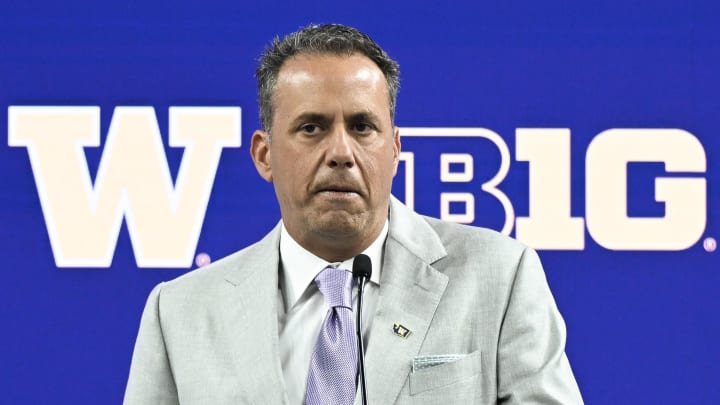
306	66
329	84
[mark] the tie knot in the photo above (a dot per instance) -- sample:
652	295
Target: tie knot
336	287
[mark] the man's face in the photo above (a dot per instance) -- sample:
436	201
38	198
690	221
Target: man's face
332	154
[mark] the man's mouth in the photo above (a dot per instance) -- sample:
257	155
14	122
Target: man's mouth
338	190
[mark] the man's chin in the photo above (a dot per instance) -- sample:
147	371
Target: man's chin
340	224
338	229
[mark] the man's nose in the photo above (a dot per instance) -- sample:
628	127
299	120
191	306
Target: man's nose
340	151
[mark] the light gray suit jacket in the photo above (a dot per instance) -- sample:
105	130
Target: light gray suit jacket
210	337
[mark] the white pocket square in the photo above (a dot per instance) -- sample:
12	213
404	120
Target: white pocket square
422	362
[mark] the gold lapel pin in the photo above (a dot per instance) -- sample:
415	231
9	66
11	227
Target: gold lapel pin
401	330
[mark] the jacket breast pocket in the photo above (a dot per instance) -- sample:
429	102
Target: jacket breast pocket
445	374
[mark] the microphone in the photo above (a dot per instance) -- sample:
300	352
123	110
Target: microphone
362	269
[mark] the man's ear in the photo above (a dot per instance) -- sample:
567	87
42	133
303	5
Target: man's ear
260	152
396	149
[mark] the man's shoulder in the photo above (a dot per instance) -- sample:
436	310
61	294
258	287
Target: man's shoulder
466	237
229	270
474	251
458	251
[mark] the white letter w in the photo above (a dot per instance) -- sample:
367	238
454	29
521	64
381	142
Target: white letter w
133	179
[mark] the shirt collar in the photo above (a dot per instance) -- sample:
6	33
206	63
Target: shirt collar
299	267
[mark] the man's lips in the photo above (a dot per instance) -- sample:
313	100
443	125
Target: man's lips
337	189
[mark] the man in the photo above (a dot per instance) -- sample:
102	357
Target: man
453	314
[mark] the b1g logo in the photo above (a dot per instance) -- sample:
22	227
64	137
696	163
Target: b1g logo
134	182
550	224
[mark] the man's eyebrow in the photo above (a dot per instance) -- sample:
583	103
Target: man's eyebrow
310	117
368	116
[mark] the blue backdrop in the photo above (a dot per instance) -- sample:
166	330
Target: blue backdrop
641	310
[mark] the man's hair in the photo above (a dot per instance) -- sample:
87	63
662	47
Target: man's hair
334	39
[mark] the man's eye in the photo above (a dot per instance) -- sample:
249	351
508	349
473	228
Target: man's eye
362	127
310	128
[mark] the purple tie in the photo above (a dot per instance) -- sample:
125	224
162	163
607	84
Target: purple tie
333	367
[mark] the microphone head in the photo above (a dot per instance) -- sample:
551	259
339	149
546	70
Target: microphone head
362	267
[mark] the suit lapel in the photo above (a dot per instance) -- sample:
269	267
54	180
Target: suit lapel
410	290
250	311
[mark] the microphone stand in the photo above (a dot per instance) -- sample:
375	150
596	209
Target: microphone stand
361	349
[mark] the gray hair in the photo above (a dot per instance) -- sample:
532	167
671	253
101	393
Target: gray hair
332	39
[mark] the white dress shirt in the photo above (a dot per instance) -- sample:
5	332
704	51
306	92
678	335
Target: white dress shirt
302	307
